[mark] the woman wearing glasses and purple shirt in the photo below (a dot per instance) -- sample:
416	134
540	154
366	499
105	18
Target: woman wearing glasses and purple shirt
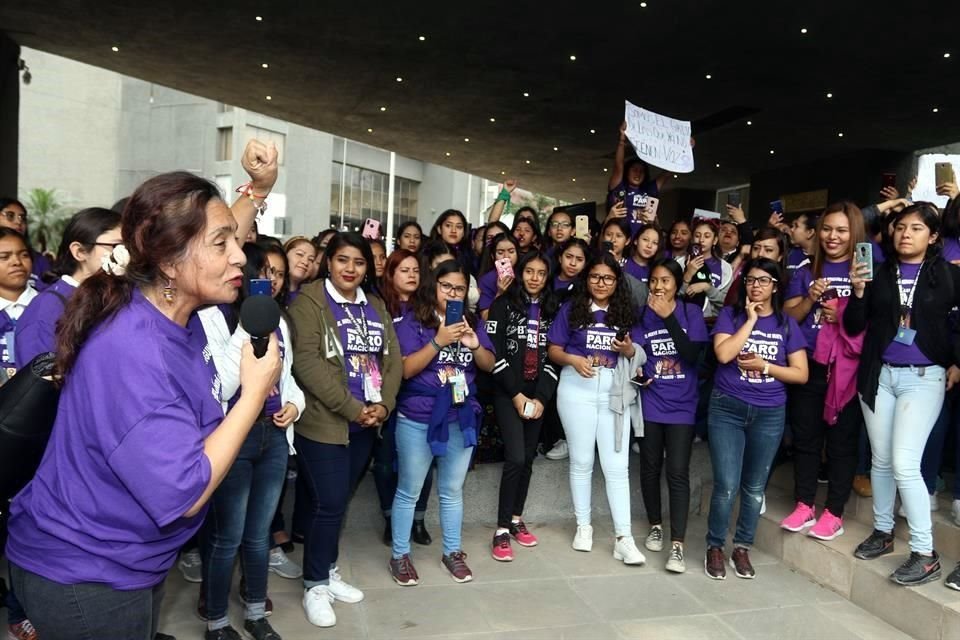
437	411
91	234
759	350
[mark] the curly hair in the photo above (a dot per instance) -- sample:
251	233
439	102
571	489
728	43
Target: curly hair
620	313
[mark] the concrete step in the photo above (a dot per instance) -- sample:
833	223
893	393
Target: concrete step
927	612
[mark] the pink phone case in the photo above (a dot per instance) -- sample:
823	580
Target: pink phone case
371	229
504	268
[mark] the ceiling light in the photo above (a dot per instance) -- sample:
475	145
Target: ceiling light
803	30
840	135
399	79
556	148
369	130
573	179
527	161
946	55
526	95
466	139
383	108
935	109
708	76
771	151
718	165
422	38
493	119
265	65
269	97
114	49
259	18
749	123
605	169
593	130
573	58
643	5
583	199
447	154
675	176
503	173
829	95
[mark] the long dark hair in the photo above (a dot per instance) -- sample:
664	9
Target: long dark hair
620	313
858	231
776	272
714	227
252	270
389	293
517	295
675	270
403	227
534	226
159	225
489	255
353	239
620	223
84	227
631	249
462	251
571	242
425	302
559	211
772	233
930	217
7	232
272	247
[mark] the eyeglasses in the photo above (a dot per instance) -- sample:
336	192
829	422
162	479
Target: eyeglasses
13	216
108	245
764	281
448	288
597	278
560	225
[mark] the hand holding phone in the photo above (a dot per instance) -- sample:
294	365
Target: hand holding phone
504	268
583	228
259	287
943	173
371	229
454	312
776	206
641	379
863	254
529	409
650	211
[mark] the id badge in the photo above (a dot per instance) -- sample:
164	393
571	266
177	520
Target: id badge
371	391
9	340
458	386
905	335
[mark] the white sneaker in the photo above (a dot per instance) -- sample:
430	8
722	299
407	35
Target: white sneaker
675	561
343	591
955	511
283	566
583	541
191	566
560	451
654	540
318	605
626	549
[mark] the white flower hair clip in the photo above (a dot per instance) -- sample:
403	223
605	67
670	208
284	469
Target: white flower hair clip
115	263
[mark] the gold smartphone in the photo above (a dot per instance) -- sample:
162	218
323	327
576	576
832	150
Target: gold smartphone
944	173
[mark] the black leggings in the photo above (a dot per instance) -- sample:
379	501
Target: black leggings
677	439
520	439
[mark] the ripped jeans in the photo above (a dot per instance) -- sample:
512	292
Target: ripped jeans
743	442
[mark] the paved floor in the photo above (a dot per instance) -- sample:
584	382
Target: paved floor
553	592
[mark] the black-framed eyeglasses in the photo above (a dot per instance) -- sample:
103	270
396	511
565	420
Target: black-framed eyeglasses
560	225
448	288
764	281
597	278
108	245
13	216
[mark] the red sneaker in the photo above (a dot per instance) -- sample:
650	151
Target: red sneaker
456	564
502	551
522	535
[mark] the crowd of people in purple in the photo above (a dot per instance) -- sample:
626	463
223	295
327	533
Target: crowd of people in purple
829	341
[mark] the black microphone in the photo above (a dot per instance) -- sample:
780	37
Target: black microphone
260	316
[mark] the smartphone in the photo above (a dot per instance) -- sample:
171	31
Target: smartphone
733	198
944	173
641	379
652	205
889	180
829	294
695	250
863	254
607	246
371	229
454	312
583	228
259	287
528	409
776	206
504	268
746	355
621	335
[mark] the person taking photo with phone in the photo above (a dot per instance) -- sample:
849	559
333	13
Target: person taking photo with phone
910	358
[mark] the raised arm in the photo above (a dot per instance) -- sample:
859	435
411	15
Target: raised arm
260	163
502	200
616	176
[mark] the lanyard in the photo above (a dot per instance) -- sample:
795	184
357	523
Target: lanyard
906	300
361	327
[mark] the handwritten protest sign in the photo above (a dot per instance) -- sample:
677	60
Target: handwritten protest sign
663	142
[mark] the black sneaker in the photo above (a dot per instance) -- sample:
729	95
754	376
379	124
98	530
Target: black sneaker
226	633
953	580
387	532
260	630
163	636
917	570
877	544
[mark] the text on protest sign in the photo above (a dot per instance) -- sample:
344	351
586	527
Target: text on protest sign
661	141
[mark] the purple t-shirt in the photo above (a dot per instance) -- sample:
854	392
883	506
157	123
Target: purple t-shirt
771	341
488	289
951	249
635	199
838	275
639	271
40	266
672	396
595	341
35	333
562	285
449	362
357	351
897	353
795	259
125	460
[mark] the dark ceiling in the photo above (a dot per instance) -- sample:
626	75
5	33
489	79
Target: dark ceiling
334	67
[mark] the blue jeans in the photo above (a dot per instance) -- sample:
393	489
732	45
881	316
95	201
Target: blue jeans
415	457
87	611
384	471
743	442
933	451
239	518
907	405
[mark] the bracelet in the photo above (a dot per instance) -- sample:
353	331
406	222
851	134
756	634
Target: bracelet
247	190
504	195
766	369
435	345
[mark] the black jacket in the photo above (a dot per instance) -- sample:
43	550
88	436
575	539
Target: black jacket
878	313
503	326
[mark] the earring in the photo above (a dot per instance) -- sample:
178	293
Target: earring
169	292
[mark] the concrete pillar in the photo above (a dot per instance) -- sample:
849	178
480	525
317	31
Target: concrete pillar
9	114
